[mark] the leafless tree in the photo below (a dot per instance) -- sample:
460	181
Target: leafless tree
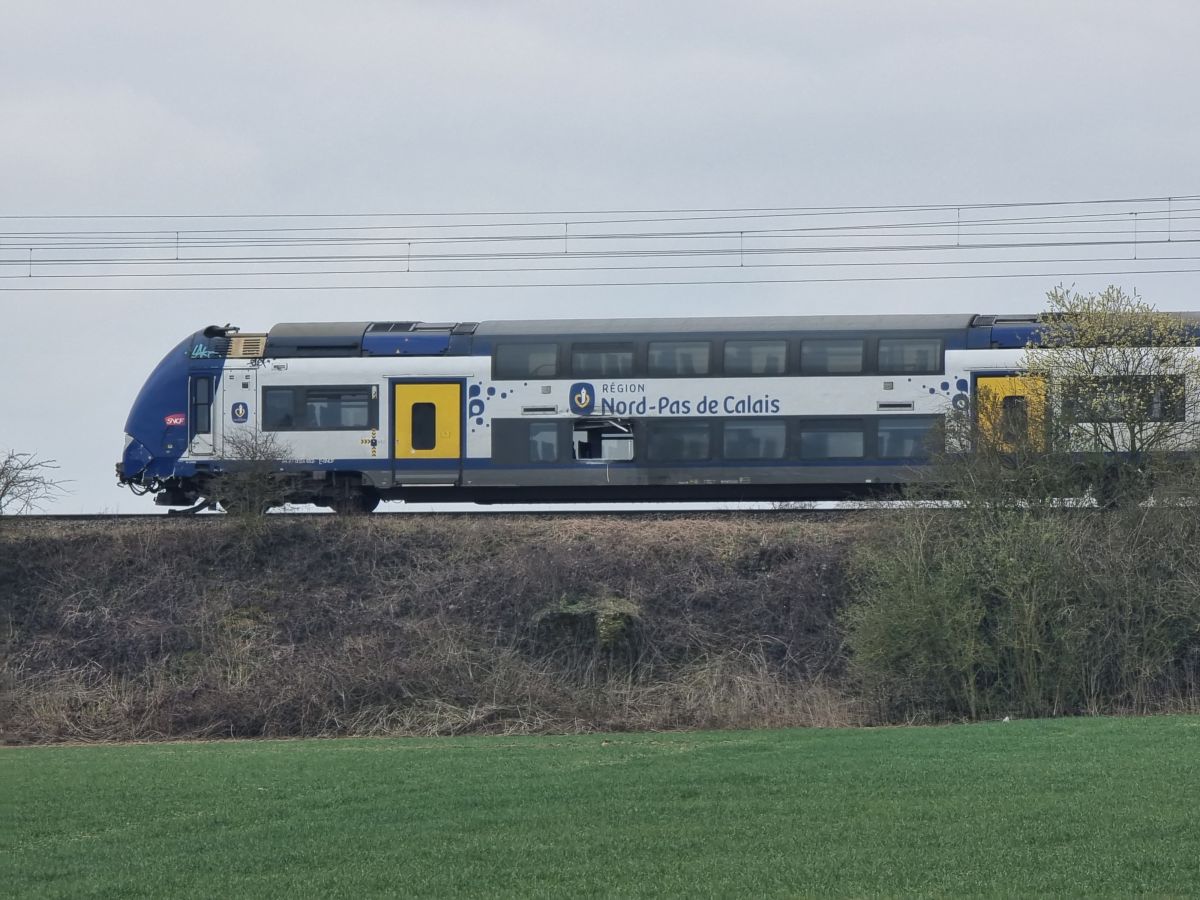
255	480
27	481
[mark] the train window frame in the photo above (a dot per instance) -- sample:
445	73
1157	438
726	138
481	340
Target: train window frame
423	421
503	370
777	423
728	370
938	368
827	370
662	371
601	434
300	398
848	426
548	427
1089	400
883	423
200	414
657	427
603	348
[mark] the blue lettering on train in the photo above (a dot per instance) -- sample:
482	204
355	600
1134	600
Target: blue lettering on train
664	405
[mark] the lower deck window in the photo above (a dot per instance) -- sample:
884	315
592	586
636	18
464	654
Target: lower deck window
606	439
905	437
679	442
543	442
831	440
755	439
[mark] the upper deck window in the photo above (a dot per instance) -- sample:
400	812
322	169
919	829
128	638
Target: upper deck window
526	360
674	358
910	356
602	360
755	357
833	356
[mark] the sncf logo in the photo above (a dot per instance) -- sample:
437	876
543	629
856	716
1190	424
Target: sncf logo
583	399
175	419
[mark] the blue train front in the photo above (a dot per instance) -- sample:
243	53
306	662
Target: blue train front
170	419
352	413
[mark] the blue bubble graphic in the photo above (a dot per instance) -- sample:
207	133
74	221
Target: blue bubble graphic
961	384
473	391
491	392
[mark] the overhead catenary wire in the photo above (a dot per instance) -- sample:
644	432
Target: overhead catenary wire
1149	235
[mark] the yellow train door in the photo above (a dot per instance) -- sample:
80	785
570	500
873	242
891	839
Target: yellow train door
1011	411
428	421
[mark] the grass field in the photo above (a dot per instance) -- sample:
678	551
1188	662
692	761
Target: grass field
1082	806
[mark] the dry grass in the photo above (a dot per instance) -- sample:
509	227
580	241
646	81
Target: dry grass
420	625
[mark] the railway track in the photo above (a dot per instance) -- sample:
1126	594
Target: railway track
466	514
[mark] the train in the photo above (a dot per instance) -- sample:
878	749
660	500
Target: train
348	414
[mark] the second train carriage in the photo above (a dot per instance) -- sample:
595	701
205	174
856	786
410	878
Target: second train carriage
818	407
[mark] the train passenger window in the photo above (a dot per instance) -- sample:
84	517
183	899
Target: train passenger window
755	438
672	358
543	442
424	426
527	361
602	360
202	405
755	357
1123	398
337	407
910	356
278	410
320	408
835	356
905	437
831	440
678	441
603	439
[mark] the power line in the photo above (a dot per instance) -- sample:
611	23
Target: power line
604	284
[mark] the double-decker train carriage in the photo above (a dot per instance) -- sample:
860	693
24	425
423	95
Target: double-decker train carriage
351	413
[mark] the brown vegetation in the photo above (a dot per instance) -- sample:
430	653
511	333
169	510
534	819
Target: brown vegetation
420	625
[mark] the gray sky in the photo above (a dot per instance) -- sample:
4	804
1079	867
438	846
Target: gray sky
298	107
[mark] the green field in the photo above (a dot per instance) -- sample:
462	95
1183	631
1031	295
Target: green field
1081	806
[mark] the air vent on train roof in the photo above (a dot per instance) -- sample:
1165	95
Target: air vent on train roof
246	346
390	326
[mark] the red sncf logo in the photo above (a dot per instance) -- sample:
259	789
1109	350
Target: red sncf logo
175	419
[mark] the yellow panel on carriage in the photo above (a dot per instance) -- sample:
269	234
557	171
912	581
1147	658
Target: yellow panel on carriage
428	421
1011	411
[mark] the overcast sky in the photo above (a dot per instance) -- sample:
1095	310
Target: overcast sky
391	107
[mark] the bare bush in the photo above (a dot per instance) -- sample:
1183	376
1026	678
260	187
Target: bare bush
255	478
26	482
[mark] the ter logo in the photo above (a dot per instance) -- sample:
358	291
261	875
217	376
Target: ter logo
583	399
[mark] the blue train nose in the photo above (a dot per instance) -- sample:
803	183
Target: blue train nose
134	460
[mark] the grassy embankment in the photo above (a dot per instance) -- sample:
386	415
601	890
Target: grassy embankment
416	625
1099	806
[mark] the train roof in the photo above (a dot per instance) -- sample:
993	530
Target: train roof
725	324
